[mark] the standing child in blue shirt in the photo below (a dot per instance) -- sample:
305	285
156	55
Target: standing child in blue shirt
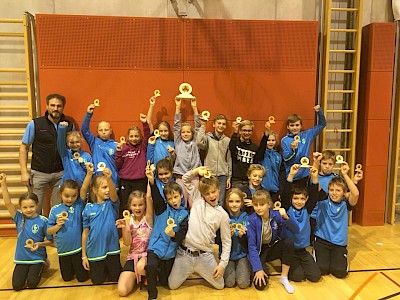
238	269
331	235
272	161
73	158
103	147
100	242
299	201
294	150
65	221
170	227
265	240
30	254
186	150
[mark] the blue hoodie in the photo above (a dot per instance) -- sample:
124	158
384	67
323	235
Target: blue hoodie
238	250
158	150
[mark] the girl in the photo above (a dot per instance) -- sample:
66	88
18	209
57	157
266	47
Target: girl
238	268
163	146
73	158
131	161
100	243
187	152
65	221
272	161
136	231
30	254
265	242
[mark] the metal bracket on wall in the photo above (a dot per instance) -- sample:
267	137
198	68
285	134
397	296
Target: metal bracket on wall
180	7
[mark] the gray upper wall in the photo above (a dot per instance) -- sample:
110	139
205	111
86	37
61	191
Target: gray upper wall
373	10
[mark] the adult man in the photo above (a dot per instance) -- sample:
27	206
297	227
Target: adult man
46	165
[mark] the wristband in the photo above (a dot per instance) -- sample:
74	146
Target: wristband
84	257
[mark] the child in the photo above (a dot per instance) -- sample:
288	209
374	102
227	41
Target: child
272	161
243	152
30	258
74	165
299	202
171	225
294	150
102	147
264	228
131	161
238	269
163	146
330	246
206	217
65	221
186	150
100	243
217	155
136	231
255	174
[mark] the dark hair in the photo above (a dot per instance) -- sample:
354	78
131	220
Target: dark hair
165	163
328	154
172	187
28	196
338	181
56	96
220	117
299	189
293	119
69	184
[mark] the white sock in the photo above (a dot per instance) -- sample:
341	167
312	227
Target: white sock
285	282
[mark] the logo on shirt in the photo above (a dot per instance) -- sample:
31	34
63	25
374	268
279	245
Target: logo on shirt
35	228
111	151
71	210
245	156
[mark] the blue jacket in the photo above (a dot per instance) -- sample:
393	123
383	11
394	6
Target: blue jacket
160	243
238	249
254	234
293	156
158	150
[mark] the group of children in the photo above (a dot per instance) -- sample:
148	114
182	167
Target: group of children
255	203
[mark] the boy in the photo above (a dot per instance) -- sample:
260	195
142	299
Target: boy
243	152
102	147
264	228
206	217
170	227
293	149
330	246
255	175
217	155
299	202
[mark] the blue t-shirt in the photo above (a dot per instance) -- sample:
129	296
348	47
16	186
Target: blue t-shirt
30	228
302	218
29	134
103	237
69	236
159	150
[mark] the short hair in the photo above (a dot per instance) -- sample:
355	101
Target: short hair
246	122
188	124
69	184
172	187
206	183
220	117
262	197
293	119
73	134
28	196
135	128
337	180
136	194
328	154
235	191
298	189
56	96
255	167
165	163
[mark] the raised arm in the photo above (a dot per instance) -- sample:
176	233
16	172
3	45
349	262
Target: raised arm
113	191
354	193
152	103
62	139
313	190
87	134
86	182
201	140
6	195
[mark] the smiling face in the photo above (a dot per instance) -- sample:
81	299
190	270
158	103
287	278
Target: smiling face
299	201
294	127
245	132
134	137
327	166
211	195
271	142
186	133
28	208
336	192
104	130
255	178
220	126
69	196
174	199
164	131
234	204
138	207
74	143
164	175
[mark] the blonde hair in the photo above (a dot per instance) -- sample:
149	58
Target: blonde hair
207	183
246	122
262	197
73	134
255	167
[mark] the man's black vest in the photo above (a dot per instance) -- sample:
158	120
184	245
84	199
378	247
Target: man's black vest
45	157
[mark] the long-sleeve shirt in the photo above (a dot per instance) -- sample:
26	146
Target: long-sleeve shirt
243	155
204	222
